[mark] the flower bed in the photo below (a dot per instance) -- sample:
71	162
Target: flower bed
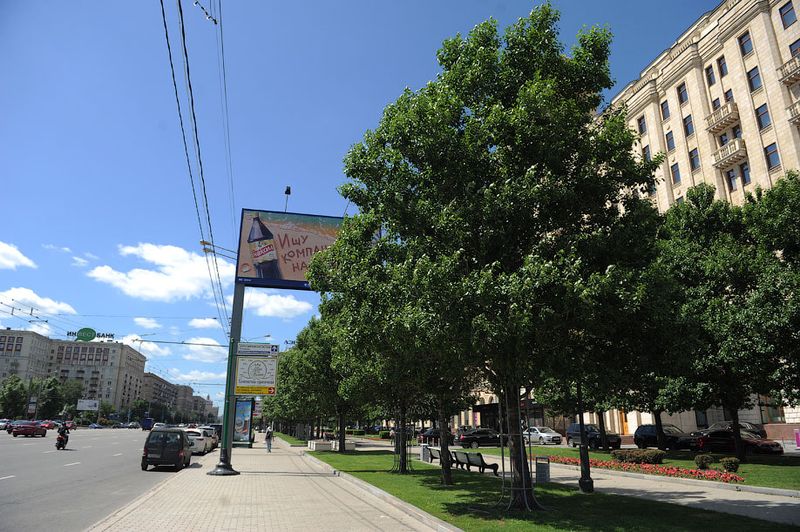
653	469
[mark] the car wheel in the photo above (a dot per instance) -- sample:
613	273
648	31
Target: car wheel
541	440
593	444
474	445
144	466
571	442
640	444
15	435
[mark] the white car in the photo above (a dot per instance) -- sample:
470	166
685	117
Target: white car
211	433
541	435
202	443
160	425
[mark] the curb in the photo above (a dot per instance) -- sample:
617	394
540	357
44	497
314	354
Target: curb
408	509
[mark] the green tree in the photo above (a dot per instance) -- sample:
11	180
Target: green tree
138	409
50	401
106	409
71	391
13	397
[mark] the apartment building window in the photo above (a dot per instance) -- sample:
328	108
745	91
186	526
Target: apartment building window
722	66
745	44
688	125
754	79
683	96
762	117
646	153
694	159
642	124
744	171
728	95
715	104
771	154
737	131
664	110
723	139
679	200
794	48
730	175
710	78
676	174
670	141
788	16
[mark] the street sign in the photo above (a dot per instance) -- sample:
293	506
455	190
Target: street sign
255	375
88	404
248	349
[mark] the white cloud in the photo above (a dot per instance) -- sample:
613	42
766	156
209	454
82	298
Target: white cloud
90	256
40	327
11	257
205	323
147	323
274	305
79	262
219	395
28	298
205	353
146	348
178	274
62	249
197	375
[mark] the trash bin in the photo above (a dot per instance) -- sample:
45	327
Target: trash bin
425	453
542	469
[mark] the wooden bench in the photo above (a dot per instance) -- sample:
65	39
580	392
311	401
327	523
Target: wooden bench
436	454
461	459
476	459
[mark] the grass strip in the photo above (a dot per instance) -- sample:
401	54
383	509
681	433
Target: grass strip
291	440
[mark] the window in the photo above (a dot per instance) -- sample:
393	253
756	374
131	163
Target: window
788	16
640	122
771	153
754	79
664	110
646	153
688	125
737	131
679	200
715	104
683	96
18	347
744	171
794	48
762	117
723	139
676	174
710	78
728	95
745	44
730	176
670	141
694	159
722	66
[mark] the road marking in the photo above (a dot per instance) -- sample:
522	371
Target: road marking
73	463
9	476
47	452
87	447
118	454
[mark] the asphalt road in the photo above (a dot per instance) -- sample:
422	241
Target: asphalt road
45	489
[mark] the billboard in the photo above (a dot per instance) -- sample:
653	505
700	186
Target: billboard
88	404
276	247
242	418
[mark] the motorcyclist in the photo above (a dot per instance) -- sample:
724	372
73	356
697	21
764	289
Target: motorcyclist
63	431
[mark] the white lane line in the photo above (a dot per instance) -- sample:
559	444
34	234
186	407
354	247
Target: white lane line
9	476
24	444
118	454
87	447
47	452
73	463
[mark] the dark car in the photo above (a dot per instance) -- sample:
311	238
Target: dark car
480	438
167	447
593	438
758	430
431	436
28	428
674	438
722	441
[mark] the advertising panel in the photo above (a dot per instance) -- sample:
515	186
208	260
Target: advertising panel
276	247
255	375
241	421
88	404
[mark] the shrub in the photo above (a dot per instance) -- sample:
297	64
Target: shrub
384	434
354	432
703	461
731	465
639	456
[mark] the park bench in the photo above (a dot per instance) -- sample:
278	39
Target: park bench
476	459
436	454
461	459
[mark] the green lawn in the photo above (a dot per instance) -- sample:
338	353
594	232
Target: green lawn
767	471
291	440
472	503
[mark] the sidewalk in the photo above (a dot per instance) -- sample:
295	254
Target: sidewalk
281	490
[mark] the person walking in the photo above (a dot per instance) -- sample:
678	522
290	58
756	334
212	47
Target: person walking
268	439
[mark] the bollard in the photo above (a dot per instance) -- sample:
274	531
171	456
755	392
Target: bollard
542	469
425	453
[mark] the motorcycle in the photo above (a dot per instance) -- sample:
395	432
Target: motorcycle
61	441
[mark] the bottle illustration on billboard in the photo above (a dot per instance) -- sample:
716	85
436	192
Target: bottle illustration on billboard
262	250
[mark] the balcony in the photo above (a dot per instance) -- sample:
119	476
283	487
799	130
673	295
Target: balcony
722	118
790	71
730	154
794	113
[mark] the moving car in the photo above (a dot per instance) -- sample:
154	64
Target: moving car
202	443
431	436
481	438
167	447
541	435
95	426
674	438
758	430
722	441
28	428
593	436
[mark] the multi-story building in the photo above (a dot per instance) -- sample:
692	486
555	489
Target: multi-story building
158	390
23	353
723	105
183	400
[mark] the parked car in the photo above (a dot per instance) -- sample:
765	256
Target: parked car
541	435
722	441
48	424
159	426
28	428
134	425
674	438
167	447
70	425
758	430
95	426
481	438
4	423
202	443
431	436
211	433
593	437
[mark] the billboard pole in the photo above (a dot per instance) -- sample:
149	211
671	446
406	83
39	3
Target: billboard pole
224	466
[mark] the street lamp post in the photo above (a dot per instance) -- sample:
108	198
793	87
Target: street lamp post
585	483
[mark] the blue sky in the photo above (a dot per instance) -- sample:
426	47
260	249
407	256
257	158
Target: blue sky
99	225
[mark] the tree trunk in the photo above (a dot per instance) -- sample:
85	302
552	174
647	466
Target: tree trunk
444	445
662	444
601	421
737	434
522	497
400	440
341	431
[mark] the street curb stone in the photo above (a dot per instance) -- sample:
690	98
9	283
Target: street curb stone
409	509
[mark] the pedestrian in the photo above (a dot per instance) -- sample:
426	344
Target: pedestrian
268	439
